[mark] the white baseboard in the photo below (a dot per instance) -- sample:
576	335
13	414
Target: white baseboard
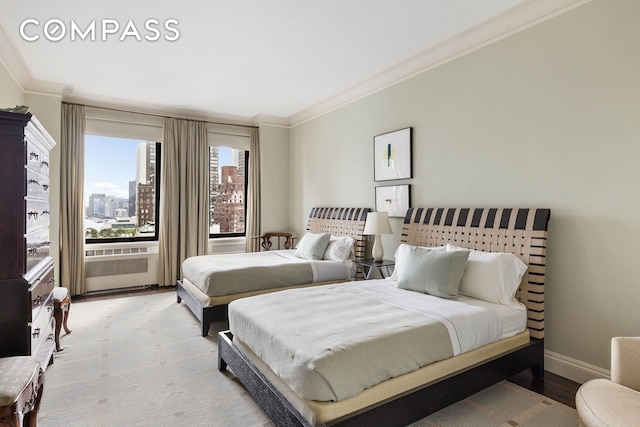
573	369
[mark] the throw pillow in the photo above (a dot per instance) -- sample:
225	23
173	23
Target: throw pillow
312	245
433	272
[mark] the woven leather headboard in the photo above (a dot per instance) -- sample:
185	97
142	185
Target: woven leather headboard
520	231
341	222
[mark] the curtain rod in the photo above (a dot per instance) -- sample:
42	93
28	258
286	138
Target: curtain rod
164	116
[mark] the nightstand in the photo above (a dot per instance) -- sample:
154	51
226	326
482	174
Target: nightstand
370	265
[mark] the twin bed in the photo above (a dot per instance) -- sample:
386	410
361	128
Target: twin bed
211	282
388	352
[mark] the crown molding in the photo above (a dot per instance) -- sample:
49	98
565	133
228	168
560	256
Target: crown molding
266	120
516	19
46	88
17	68
21	74
151	109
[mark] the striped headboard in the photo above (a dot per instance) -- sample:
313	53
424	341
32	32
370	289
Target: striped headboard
341	222
521	231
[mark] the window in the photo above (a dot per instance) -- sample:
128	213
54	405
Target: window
227	191
122	179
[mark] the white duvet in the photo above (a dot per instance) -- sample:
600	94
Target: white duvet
329	343
229	274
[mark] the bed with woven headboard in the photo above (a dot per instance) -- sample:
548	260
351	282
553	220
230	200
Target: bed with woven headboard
409	397
522	232
338	221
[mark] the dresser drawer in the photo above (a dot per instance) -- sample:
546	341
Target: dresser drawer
41	293
37	185
37	247
40	322
37	158
43	341
38	214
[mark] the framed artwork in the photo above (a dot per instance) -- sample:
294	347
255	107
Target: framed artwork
394	199
392	155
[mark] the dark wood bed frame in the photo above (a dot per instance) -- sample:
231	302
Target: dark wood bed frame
204	314
335	220
519	231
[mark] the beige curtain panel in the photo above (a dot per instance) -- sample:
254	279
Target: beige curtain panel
252	226
184	196
72	270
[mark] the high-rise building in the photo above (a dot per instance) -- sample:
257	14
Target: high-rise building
132	198
146	183
114	204
240	161
97	205
213	169
228	210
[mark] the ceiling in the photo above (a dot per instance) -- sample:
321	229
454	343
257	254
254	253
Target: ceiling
280	61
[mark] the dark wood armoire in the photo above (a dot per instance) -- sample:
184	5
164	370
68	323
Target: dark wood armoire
26	269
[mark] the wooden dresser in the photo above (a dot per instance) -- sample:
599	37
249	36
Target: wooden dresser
26	269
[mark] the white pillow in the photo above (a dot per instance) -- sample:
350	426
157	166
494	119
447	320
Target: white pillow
339	248
312	245
433	272
492	276
400	256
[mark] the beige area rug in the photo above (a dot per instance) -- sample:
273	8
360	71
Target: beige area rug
504	404
140	361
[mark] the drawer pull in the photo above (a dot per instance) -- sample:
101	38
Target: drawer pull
32	214
37	300
45	186
33	156
33	181
44	163
36	333
33	251
52	280
45	213
50	337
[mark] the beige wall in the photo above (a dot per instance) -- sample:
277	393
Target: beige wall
274	157
549	117
10	92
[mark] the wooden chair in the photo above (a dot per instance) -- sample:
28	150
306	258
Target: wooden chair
21	385
61	307
283	240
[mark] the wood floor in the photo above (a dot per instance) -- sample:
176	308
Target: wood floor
553	386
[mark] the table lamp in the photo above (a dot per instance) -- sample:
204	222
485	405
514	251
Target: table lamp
377	223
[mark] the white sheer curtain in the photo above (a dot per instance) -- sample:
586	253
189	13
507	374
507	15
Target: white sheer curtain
184	196
252	226
72	270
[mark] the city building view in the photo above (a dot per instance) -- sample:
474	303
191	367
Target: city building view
120	189
226	190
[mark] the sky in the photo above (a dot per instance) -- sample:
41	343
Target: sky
110	163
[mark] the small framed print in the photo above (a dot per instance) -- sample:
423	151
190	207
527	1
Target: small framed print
393	199
392	155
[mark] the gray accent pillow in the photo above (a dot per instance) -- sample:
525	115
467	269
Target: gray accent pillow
312	245
432	272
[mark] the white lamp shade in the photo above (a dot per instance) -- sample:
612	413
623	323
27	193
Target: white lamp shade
377	223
